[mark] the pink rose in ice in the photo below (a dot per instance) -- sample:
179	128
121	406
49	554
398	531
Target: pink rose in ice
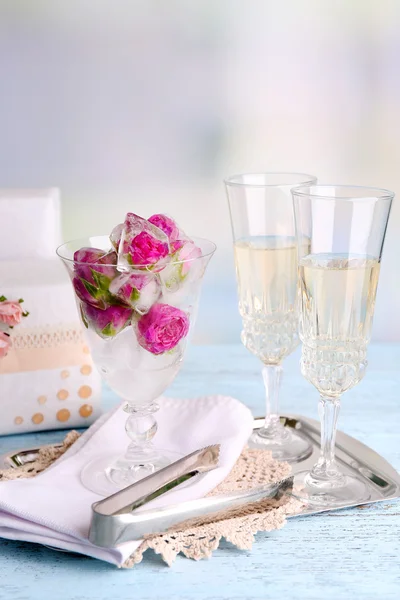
145	249
142	245
108	322
10	312
162	328
167	225
171	229
5	344
89	259
137	290
94	271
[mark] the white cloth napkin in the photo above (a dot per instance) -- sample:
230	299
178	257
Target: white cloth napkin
54	508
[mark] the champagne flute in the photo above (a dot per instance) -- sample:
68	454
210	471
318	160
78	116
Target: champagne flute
338	278
261	211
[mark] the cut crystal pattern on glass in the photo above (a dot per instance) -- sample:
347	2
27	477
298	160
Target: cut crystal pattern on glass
265	250
333	372
271	337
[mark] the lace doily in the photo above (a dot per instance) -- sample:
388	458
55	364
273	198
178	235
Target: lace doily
199	540
47	455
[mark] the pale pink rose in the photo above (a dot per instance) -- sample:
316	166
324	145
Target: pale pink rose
5	344
188	254
167	225
10	312
176	237
162	328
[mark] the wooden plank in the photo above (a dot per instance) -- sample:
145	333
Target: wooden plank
345	554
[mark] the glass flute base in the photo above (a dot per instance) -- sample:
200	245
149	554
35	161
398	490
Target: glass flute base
345	490
284	444
107	474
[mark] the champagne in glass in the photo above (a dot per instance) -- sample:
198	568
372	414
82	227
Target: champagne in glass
266	271
338	279
265	250
337	302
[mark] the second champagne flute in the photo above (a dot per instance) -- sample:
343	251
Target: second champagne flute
339	273
266	269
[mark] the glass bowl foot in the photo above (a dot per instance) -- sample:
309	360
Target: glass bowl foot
106	474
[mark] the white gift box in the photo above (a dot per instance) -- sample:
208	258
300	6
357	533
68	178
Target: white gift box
30	224
47	379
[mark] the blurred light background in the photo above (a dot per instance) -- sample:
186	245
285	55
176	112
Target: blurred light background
145	105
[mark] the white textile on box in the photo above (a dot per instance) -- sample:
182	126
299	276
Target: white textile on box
30	223
45	287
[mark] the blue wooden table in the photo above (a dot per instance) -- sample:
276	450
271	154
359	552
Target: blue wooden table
344	554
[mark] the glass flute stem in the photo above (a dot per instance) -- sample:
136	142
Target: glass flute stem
326	468
272	429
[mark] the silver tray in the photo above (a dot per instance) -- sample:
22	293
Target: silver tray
382	480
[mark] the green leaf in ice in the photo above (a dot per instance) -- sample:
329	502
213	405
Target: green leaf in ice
135	295
90	288
84	321
101	281
108	330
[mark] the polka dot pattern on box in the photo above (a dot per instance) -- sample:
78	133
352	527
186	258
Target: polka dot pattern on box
37	418
63	415
85	391
86	410
70	399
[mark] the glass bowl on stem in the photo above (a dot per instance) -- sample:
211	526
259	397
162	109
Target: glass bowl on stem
137	323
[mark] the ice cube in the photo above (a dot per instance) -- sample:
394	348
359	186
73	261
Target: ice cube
137	290
186	266
117	354
126	350
133	373
158	362
94	268
142	246
108	322
115	236
170	227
